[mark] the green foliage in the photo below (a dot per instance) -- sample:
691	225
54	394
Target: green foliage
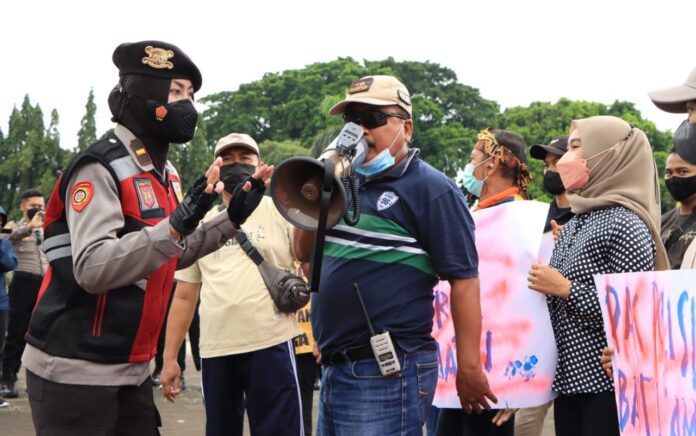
287	114
88	130
30	155
540	122
274	152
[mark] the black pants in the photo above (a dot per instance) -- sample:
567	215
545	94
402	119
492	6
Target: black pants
586	415
78	410
455	422
4	319
306	375
23	292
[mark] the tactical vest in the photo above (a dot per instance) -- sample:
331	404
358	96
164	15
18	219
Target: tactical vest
122	324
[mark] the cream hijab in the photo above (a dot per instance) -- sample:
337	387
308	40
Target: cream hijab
624	176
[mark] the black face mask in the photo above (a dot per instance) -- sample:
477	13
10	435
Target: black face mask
681	188
33	211
552	183
235	174
172	122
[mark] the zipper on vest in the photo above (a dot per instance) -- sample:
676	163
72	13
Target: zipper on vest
99	315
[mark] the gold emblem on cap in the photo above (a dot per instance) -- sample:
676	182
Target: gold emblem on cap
361	85
158	57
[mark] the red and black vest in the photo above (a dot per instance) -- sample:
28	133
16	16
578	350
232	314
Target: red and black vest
123	324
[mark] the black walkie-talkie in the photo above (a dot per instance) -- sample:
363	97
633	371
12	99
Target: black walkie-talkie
381	344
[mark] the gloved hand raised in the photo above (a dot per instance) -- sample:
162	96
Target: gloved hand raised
247	196
193	208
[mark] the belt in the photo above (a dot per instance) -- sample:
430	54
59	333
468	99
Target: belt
349	355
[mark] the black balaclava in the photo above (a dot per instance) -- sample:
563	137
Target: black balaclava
134	103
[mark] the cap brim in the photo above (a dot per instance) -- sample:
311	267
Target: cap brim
238	144
340	107
673	99
538	151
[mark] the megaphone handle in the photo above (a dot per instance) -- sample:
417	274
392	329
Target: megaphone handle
318	249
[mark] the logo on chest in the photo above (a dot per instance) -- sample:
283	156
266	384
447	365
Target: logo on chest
386	200
146	194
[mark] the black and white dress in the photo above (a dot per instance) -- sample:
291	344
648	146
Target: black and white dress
611	240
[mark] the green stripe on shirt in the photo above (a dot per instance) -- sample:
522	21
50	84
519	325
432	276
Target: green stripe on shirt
419	261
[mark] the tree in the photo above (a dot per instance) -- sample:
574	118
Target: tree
88	130
30	155
294	105
274	152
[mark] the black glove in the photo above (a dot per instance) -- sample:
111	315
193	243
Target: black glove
196	204
243	203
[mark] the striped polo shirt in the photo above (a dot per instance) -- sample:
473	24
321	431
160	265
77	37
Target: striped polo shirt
414	229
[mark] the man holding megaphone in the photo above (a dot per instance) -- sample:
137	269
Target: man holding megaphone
414	228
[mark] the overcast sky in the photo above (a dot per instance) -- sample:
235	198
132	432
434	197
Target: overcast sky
514	52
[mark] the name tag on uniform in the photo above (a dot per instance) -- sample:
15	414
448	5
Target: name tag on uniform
177	190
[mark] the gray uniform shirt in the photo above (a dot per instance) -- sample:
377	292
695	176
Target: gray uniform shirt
31	257
103	261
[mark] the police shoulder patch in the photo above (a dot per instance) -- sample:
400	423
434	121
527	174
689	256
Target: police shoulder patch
80	195
386	200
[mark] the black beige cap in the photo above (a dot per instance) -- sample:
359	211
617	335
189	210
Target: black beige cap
158	59
557	146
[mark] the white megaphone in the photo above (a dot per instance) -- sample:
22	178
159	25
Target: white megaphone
298	183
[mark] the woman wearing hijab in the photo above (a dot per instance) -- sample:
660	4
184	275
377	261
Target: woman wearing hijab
612	184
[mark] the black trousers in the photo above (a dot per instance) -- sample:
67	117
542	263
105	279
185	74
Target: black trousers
306	376
455	422
78	410
23	292
586	415
4	319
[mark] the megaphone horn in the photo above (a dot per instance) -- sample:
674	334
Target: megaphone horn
296	188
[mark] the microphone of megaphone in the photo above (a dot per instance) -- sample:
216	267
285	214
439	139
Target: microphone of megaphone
298	182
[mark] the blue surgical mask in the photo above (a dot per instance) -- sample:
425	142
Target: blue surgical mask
380	163
470	182
377	164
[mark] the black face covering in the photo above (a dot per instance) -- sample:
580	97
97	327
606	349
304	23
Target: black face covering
681	188
552	183
685	141
234	174
139	103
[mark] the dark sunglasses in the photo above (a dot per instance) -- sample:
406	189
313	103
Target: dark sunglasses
370	119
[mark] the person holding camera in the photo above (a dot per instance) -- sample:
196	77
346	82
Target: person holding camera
247	354
27	241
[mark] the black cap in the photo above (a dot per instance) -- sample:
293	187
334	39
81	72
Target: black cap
684	140
158	59
557	146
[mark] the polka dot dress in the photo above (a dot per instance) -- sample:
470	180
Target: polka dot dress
611	240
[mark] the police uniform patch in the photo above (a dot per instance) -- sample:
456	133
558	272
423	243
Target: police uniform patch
177	190
386	200
80	195
160	113
361	85
158	58
141	154
146	194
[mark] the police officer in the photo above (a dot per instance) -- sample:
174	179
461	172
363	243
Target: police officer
117	227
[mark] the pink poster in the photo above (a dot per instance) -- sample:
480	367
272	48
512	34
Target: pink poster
650	322
518	351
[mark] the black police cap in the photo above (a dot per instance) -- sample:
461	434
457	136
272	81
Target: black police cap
158	59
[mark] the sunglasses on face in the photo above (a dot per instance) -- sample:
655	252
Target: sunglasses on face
370	119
